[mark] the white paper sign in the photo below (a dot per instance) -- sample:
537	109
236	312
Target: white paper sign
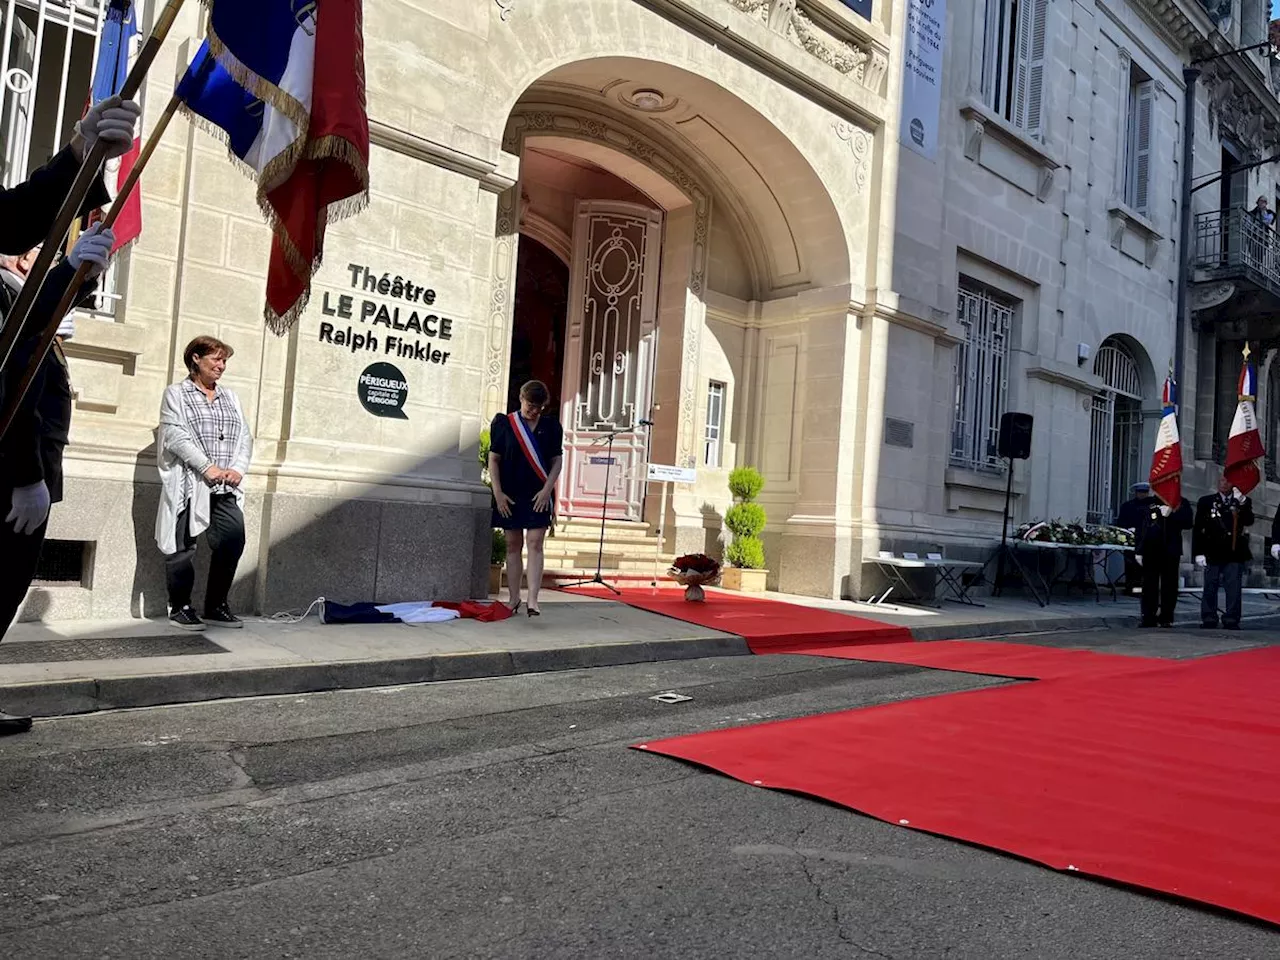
922	76
660	473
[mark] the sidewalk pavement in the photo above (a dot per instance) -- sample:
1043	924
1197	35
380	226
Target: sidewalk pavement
51	669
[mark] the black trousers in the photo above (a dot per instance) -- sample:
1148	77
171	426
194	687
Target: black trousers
225	538
1159	588
21	553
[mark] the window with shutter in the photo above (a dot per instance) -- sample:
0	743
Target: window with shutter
1138	172
1035	16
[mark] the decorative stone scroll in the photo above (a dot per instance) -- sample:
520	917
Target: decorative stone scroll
860	143
861	61
507	7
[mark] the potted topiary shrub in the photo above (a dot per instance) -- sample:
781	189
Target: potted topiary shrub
745	519
498	552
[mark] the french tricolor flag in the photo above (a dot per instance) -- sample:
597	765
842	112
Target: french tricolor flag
283	80
1166	464
115	53
1244	445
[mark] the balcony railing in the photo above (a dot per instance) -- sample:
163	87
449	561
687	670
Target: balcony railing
1236	242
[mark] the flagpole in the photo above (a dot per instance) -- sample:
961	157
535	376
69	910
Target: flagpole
13	402
89	171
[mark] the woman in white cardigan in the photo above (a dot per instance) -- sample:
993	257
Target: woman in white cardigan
204	451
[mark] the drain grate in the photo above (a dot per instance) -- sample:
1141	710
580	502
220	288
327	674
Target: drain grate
115	648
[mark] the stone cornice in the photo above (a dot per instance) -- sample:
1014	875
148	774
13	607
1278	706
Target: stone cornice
714	22
1185	22
1051	371
401	141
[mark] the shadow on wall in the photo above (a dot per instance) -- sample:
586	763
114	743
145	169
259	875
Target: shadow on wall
344	549
713	530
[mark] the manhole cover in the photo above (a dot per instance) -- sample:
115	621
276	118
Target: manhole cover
116	648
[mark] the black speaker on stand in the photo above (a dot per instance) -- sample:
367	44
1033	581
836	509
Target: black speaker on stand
1014	444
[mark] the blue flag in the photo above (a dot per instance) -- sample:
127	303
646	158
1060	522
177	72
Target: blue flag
253	80
259	35
211	93
118	31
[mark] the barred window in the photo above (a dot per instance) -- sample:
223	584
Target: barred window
1115	447
982	376
49	51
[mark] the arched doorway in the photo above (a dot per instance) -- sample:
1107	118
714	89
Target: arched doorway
712	258
1115	450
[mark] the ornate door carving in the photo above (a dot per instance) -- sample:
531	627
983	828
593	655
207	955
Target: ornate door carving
609	356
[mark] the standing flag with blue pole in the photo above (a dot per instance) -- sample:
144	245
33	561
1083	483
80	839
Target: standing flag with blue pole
282	81
1166	464
115	49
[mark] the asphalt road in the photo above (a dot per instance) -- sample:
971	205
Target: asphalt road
507	818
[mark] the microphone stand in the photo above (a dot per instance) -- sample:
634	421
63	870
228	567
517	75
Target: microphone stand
598	579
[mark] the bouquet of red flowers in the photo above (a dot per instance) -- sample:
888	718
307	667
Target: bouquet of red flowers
695	563
693	571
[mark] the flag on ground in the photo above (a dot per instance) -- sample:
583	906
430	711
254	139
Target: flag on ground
301	132
119	31
1244	445
1166	464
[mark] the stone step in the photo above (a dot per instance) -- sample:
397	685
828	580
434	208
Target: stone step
627	564
637	533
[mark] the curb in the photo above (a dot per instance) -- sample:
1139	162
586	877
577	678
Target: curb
86	695
1005	628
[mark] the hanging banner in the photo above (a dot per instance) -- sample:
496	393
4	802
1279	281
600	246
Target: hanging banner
861	7
922	76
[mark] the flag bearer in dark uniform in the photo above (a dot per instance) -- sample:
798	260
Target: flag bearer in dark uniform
1159	552
31	450
1133	516
1220	544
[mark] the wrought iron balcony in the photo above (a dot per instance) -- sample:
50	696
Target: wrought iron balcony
1235	242
1235	261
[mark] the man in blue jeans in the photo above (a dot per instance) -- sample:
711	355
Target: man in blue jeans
1220	544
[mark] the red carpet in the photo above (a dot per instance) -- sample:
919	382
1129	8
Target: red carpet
1165	779
765	624
1018	661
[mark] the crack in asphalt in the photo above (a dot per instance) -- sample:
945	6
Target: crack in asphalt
820	893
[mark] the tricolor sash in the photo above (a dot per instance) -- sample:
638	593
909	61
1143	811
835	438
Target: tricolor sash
530	451
527	446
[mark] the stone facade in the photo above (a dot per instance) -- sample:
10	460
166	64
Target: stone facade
808	264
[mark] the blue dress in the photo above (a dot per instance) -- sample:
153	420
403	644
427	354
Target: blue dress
517	476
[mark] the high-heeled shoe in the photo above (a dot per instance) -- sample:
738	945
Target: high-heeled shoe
516	609
532	612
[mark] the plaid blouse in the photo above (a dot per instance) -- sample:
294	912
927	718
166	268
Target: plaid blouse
214	425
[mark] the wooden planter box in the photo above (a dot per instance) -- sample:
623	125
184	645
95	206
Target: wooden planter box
495	578
744	581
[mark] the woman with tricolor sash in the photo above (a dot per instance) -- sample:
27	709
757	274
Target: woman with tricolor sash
526	450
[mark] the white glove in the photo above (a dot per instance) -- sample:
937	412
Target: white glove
1275	551
93	248
115	122
1201	561
30	508
1165	509
1235	492
1138	557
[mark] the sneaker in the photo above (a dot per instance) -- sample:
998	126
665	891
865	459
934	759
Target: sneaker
10	724
221	616
186	619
